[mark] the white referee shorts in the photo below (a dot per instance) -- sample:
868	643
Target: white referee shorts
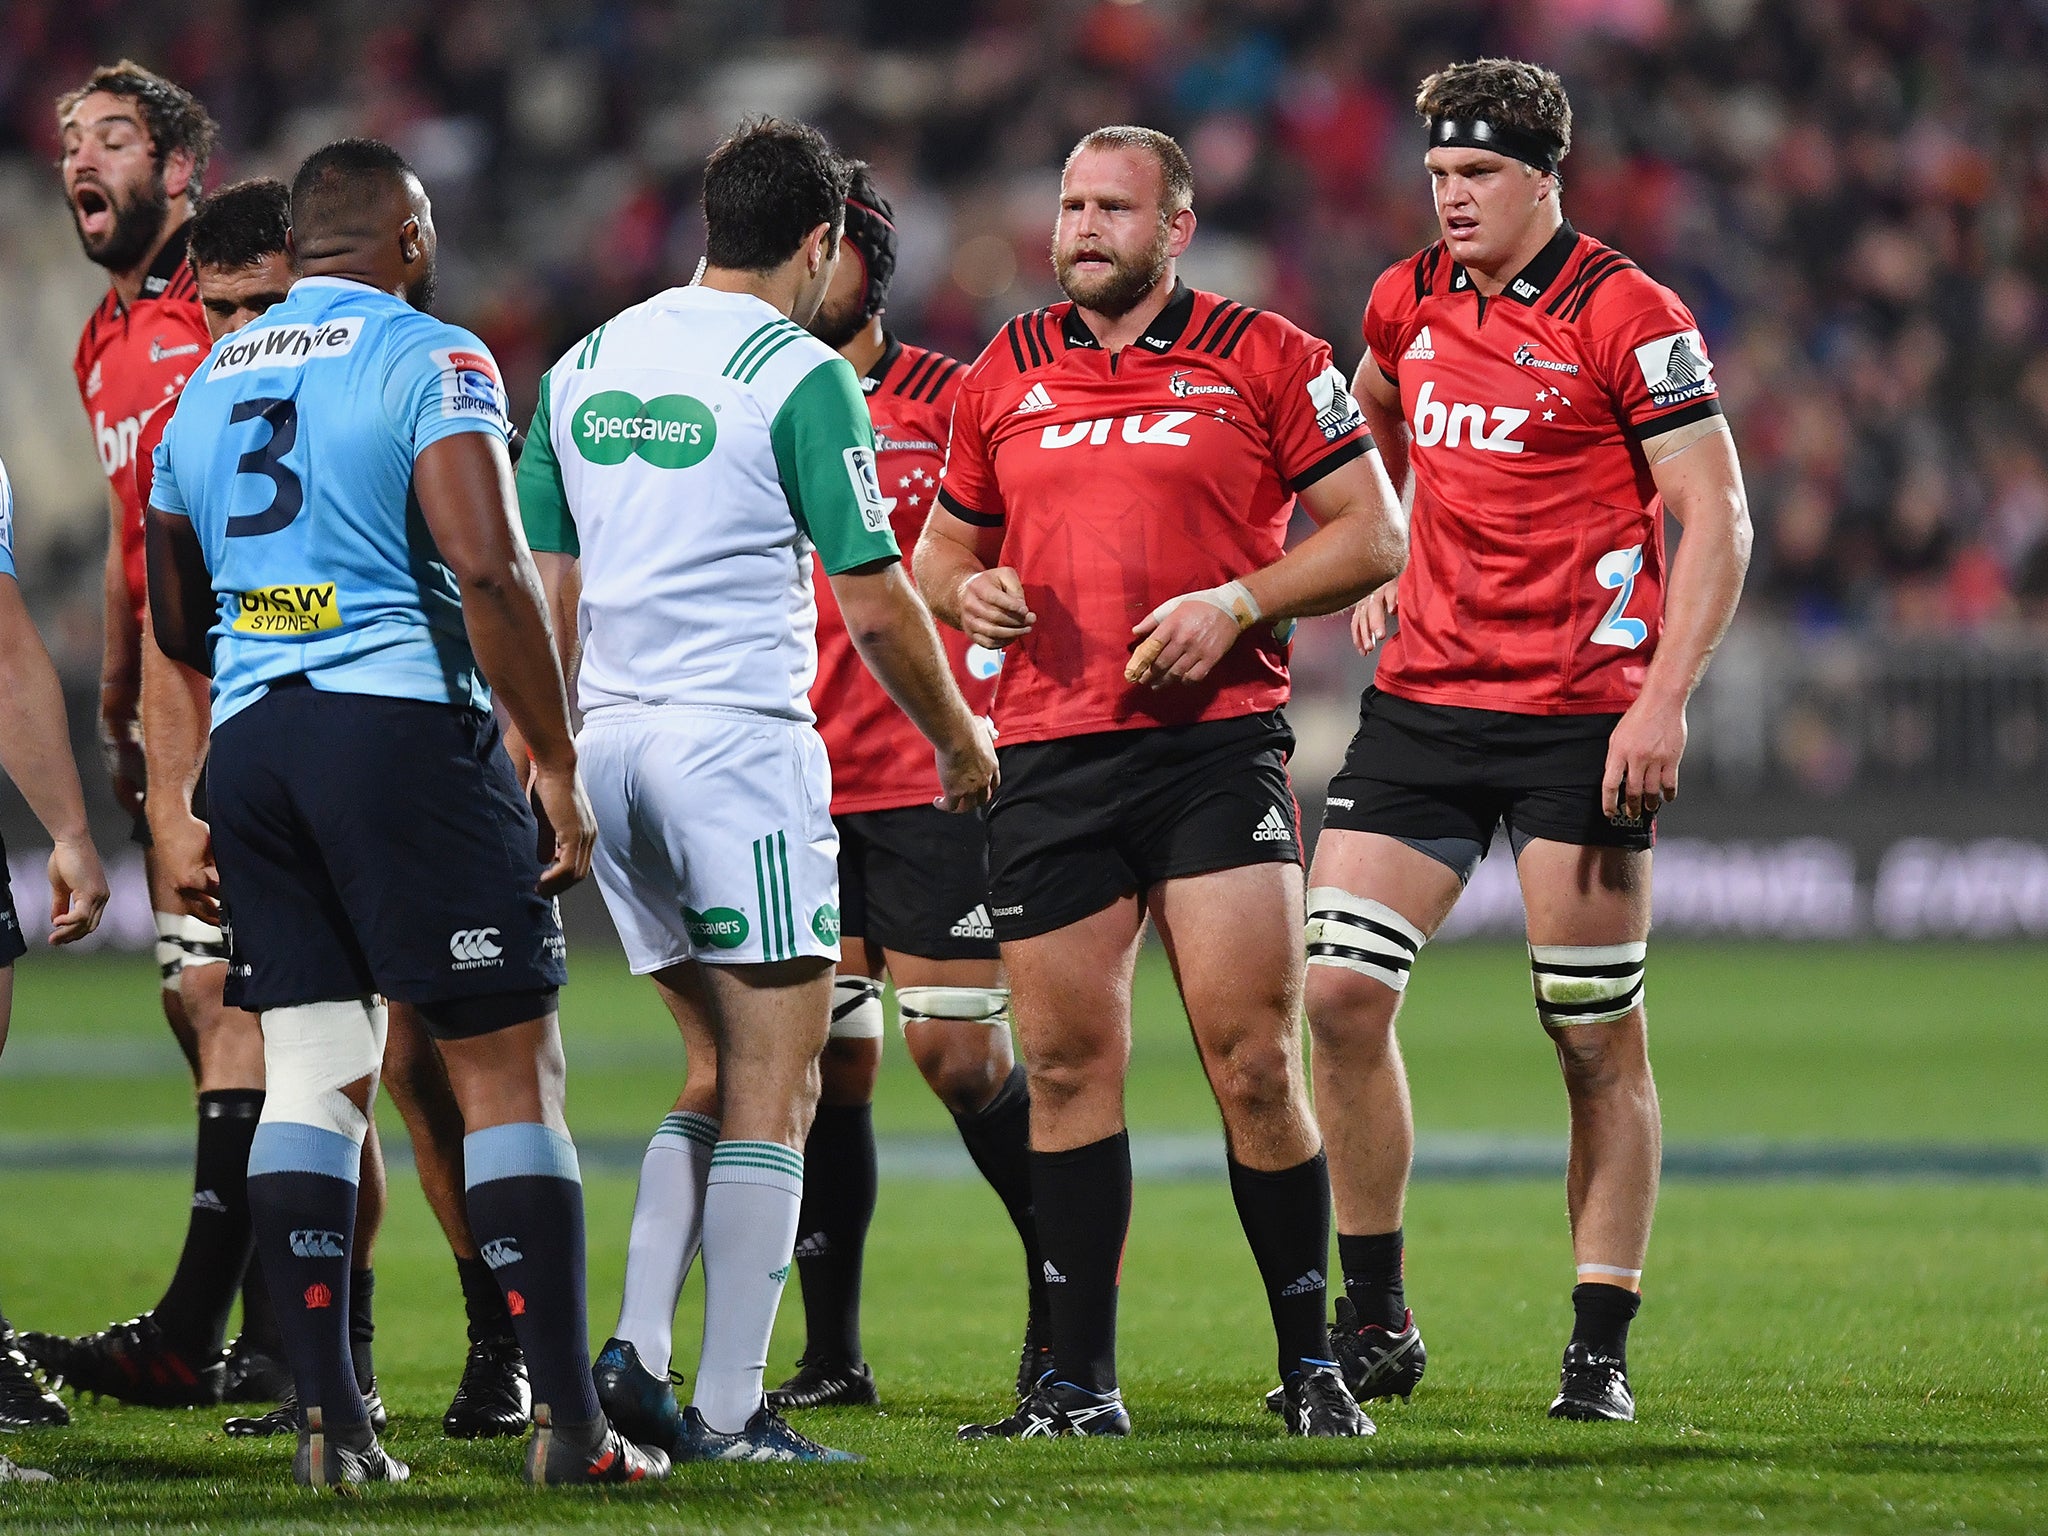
714	835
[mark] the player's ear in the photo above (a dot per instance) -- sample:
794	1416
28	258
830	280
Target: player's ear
177	173
1180	232
411	247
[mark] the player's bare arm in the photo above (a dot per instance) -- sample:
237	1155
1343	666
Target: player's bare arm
893	633
1380	399
1360	545
121	675
177	716
561	584
964	588
464	485
35	751
1700	480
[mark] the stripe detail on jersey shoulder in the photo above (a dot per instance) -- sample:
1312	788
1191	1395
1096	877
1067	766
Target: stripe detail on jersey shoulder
1029	344
967	514
1426	264
747	360
1571	300
921	373
771	886
1219	334
934	383
1226	343
586	355
1671	421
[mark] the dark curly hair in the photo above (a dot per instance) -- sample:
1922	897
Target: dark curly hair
1509	92
174	116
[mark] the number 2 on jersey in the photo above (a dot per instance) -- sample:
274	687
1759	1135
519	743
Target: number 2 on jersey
287	494
1619	568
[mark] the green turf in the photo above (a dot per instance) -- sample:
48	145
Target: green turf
1802	1362
1845	1042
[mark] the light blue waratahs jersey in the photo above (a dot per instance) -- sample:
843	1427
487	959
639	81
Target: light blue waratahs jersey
6	523
292	453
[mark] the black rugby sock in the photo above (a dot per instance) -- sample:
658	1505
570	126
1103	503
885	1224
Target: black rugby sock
1601	1315
362	1329
196	1306
998	1138
1373	1277
305	1220
525	1201
838	1207
259	1317
482	1302
1286	1219
1082	1202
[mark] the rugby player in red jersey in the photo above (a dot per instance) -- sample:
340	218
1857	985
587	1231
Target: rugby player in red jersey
1553	403
1118	486
913	879
135	147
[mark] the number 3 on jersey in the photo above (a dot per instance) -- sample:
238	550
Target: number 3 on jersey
1619	568
288	495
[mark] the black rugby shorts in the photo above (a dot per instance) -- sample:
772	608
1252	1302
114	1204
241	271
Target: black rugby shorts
915	880
13	943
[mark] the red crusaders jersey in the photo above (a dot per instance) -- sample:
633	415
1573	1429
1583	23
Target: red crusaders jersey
132	359
1120	482
1535	579
880	762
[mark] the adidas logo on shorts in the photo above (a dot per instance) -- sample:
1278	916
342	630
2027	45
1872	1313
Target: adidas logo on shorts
975	925
1272	828
1035	399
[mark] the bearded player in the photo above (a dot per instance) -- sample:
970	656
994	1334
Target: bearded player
913	880
1553	403
134	157
1119	482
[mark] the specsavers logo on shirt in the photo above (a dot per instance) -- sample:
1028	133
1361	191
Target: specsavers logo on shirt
669	431
301	609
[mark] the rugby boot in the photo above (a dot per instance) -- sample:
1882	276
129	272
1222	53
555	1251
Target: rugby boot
766	1437
556	1460
823	1384
1055	1409
10	1472
131	1362
1377	1362
493	1398
284	1418
640	1403
1592	1387
1319	1405
254	1375
345	1460
24	1402
1035	1361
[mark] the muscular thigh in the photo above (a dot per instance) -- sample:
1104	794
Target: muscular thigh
1070	989
1234	939
1580	894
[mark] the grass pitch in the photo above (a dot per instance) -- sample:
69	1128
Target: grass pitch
1812	1356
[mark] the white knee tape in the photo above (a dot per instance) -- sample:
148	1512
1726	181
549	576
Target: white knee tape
313	1051
170	953
972	1005
856	1009
183	940
1368	937
1587	983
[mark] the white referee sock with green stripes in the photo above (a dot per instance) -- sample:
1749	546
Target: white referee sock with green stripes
750	1214
668	1224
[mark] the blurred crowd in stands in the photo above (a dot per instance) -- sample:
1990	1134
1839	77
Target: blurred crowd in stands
1852	194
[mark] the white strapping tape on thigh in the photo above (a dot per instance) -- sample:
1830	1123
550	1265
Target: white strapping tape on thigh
182	940
856	1009
968	1005
1587	983
313	1051
1360	935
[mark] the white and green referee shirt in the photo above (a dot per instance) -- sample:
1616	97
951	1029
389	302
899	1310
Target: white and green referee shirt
691	452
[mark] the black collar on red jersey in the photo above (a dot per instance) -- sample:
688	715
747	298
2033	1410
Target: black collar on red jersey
1529	284
164	270
1167	327
891	350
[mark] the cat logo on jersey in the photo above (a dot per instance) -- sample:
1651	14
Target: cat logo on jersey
469	384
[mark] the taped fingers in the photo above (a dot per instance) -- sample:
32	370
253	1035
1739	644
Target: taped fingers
856	1008
1359	934
1587	983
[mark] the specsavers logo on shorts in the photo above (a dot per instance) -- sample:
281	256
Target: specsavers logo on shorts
718	927
303	609
825	924
669	431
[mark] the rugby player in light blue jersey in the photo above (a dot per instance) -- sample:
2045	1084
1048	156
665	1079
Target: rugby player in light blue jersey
333	537
35	752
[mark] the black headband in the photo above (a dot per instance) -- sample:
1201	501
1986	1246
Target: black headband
1537	149
874	236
